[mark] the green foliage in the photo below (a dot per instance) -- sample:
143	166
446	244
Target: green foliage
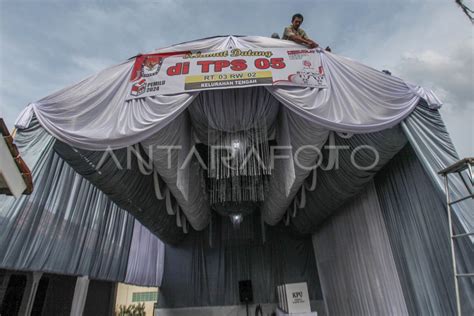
131	310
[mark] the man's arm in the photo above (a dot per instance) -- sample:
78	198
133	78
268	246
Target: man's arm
305	40
309	42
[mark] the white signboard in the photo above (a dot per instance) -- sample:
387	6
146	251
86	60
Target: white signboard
179	72
297	298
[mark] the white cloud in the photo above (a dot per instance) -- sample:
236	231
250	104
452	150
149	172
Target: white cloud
450	75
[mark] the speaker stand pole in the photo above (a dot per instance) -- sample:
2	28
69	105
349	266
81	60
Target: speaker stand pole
247	307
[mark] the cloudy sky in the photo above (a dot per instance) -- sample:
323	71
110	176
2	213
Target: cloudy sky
47	45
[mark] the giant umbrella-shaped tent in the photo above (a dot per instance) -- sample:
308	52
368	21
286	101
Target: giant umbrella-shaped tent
333	172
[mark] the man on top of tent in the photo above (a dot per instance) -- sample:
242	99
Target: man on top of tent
296	34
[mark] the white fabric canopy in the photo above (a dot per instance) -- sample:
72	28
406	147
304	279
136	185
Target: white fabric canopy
94	115
400	210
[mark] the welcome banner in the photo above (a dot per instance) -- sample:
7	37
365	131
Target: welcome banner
170	73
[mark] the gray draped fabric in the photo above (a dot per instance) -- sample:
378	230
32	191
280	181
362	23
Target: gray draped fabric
127	187
429	138
228	110
68	226
415	216
146	258
186	184
289	174
355	262
199	275
393	239
338	184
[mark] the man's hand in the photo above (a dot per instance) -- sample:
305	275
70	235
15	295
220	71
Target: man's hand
312	44
306	42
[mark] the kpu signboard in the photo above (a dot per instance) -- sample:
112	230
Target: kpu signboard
294	298
179	72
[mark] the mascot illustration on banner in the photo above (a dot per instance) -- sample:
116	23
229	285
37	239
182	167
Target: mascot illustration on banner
308	76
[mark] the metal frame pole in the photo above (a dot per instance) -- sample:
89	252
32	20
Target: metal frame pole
453	255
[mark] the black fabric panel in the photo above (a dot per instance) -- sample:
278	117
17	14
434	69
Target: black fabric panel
196	274
15	291
100	297
417	225
40	297
128	188
59	295
337	185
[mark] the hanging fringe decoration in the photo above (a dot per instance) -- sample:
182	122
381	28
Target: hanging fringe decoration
302	199
185	223
172	207
263	228
210	234
238	165
332	152
144	165
287	218
295	208
312	186
298	202
169	203
178	218
156	185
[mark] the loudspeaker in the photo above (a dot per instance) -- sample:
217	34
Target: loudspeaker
245	291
